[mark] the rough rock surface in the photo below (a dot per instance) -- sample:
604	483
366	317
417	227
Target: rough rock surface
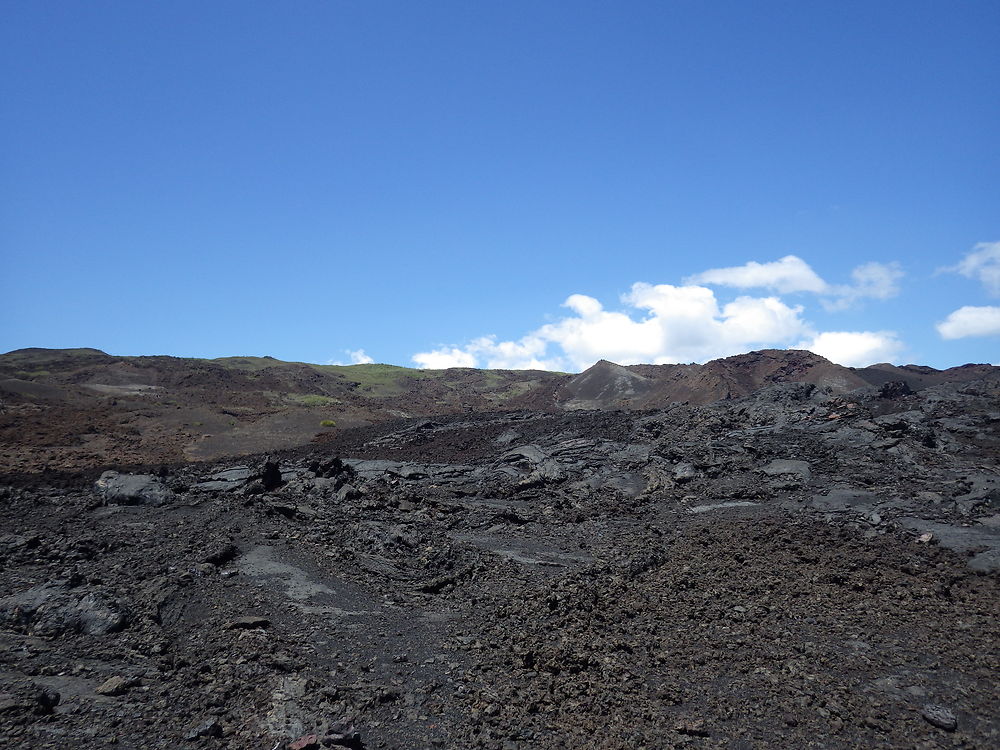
77	409
799	567
132	489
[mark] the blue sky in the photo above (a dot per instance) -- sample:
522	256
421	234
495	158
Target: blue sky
322	181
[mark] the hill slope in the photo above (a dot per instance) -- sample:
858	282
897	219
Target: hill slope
70	408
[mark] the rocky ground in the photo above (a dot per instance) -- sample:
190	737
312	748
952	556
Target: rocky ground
74	409
795	568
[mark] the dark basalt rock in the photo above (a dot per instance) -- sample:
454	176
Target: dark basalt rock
133	489
894	389
797	566
270	475
55	609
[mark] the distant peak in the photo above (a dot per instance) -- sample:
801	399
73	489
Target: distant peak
41	350
783	355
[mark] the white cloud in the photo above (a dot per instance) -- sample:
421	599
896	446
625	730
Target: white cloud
526	354
871	281
971	321
441	359
876	280
789	274
669	324
983	264
355	356
855	348
792	274
595	333
358	357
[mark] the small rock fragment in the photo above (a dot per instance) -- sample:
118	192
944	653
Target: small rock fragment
308	742
210	728
347	492
112	686
940	716
685	472
46	701
693	728
284	509
343	734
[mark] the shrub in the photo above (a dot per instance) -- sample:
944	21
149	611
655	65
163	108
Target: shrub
327	423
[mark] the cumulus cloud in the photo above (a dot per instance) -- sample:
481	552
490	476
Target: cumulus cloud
594	333
876	280
971	321
982	264
666	324
792	274
786	275
871	281
526	354
355	357
855	348
441	359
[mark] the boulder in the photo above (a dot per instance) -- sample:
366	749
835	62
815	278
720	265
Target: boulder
132	489
784	467
209	728
270	475
684	472
53	609
112	686
347	492
221	553
940	716
894	389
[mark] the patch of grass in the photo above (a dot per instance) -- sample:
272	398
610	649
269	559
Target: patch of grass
378	380
376	374
515	389
327	423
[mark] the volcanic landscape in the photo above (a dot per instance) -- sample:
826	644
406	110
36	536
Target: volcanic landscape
765	551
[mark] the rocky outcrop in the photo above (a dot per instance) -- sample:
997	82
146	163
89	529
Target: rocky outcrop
132	489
